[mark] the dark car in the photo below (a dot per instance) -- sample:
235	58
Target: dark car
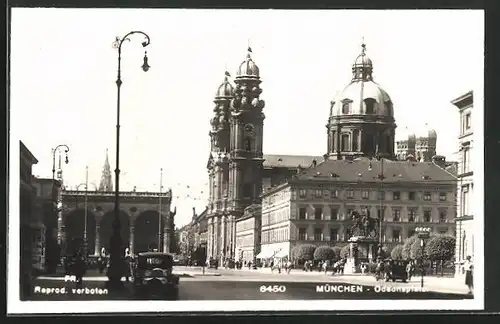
153	276
396	270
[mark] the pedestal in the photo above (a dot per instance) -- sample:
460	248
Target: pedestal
350	267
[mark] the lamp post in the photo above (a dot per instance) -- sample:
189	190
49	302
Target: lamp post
59	219
160	243
116	267
423	234
381	177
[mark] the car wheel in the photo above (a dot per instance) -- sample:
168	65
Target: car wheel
404	280
393	280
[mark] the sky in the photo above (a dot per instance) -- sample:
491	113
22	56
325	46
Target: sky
63	87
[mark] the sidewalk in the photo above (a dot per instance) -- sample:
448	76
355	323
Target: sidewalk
103	277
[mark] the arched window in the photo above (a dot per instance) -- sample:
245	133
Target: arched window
388	105
355	139
346	107
345	143
370	106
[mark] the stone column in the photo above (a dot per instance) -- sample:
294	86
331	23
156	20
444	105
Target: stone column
60	227
223	236
233	235
166	234
210	238
97	248
131	239
360	141
216	237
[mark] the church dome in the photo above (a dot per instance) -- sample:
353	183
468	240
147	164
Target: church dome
226	89
363	98
248	68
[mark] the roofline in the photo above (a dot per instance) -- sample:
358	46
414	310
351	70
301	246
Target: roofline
444	168
276	189
457	101
30	155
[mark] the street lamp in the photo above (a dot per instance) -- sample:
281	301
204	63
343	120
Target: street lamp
160	243
116	261
423	233
381	177
59	219
85	231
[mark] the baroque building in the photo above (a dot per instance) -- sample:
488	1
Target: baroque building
261	205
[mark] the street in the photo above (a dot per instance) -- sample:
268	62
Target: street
228	284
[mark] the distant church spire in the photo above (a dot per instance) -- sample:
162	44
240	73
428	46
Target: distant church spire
106	182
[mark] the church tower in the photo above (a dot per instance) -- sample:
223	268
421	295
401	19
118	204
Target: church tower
106	183
361	121
246	132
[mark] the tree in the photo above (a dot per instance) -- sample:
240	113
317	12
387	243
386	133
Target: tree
440	248
304	252
397	252
346	250
416	250
323	253
336	252
405	252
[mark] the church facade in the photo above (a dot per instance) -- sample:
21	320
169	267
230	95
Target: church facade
360	132
92	212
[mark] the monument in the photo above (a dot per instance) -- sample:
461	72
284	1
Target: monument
363	240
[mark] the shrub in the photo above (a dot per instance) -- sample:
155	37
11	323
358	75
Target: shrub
416	250
323	253
405	252
344	252
397	252
304	252
336	252
440	248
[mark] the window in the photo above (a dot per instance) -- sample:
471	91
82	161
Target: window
345	143
467	121
302	234
396	195
442	196
381	195
334	214
346	105
334	234
442	216
427	196
302	213
355	140
396	235
248	144
465	159
335	193
465	201
412	215
318	213
318	193
302	193
318	234
370	105
365	194
396	215
411	195
350	194
427	216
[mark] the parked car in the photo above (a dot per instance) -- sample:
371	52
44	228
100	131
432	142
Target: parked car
396	270
153	276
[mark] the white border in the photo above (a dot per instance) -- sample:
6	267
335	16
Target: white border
15	306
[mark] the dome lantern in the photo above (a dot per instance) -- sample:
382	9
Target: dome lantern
362	67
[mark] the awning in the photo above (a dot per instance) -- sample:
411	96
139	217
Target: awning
264	254
280	254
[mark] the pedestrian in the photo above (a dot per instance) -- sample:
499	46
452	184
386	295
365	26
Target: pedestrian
79	269
408	270
469	267
325	266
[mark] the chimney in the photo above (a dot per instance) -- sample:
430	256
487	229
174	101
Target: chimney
439	160
314	163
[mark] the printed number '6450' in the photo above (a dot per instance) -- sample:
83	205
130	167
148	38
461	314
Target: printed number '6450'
273	289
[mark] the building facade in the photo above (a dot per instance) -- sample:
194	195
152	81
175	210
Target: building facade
32	229
248	234
92	212
315	207
465	188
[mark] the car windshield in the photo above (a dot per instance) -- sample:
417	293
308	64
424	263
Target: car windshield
154	262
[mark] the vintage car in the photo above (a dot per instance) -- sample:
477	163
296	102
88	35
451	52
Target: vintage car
153	277
396	270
